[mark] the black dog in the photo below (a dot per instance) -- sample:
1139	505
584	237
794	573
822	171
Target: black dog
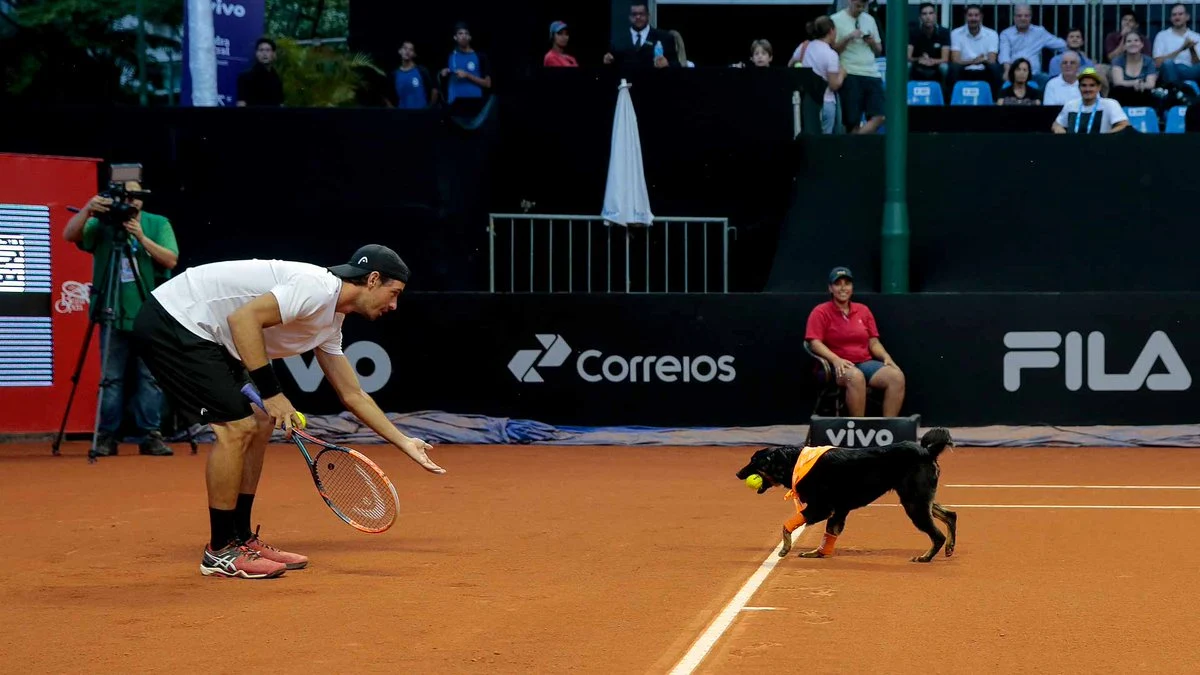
843	479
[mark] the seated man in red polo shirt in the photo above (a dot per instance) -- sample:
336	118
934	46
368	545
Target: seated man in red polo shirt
844	333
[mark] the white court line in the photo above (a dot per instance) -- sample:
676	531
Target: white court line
700	648
704	644
1082	487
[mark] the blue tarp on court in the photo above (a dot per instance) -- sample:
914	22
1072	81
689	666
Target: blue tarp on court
439	427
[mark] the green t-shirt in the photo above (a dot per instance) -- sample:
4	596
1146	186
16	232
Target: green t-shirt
99	242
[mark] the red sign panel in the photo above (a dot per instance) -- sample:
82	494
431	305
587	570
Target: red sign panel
44	295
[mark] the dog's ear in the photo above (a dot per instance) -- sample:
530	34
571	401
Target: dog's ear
936	440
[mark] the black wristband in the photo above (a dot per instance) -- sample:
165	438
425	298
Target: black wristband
264	380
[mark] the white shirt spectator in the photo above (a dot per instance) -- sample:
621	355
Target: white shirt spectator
969	47
823	60
1168	41
1059	92
1028	45
1074	122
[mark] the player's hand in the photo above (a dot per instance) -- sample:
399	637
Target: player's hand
460	74
608	59
889	362
98	204
855	34
282	413
417	449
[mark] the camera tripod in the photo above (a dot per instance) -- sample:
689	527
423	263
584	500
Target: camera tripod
104	313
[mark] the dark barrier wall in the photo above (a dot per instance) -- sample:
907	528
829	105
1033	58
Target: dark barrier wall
993	212
307	184
972	359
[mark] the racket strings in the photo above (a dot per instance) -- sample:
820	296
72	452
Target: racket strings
355	488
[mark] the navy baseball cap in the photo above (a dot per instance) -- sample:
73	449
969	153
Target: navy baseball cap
839	272
373	258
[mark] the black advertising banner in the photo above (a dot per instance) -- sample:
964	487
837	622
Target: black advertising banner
738	360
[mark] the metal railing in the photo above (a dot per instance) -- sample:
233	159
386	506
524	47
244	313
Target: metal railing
555	253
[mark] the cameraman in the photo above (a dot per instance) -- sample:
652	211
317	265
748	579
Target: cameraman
155	253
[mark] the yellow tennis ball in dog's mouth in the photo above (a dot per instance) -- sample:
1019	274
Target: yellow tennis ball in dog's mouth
754	481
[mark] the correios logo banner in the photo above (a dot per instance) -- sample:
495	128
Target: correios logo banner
594	365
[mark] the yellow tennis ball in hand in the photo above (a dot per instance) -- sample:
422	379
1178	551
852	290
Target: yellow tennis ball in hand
754	481
303	420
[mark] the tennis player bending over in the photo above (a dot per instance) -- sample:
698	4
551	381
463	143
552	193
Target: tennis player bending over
206	330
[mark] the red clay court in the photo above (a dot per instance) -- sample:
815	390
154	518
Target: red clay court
605	560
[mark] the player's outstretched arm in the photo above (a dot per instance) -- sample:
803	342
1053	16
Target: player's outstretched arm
341	375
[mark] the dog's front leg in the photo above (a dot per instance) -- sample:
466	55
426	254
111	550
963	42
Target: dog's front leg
788	528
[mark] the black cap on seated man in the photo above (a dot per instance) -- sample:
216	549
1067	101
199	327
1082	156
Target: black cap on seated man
373	258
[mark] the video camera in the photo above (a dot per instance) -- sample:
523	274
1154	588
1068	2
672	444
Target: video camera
121	210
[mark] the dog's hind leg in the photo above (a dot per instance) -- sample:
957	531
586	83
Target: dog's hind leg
833	528
921	516
950	518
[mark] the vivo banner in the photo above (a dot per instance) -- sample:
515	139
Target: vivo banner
739	360
237	24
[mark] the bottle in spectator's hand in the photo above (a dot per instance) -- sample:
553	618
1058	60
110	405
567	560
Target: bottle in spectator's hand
658	50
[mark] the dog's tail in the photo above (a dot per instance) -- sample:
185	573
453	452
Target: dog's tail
936	440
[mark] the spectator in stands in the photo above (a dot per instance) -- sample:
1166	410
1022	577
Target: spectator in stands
1075	44
819	56
973	51
1114	42
469	73
635	48
859	43
1134	76
558	57
680	50
1090	113
415	87
260	85
844	334
1175	50
761	53
1065	86
1019	91
929	48
1025	40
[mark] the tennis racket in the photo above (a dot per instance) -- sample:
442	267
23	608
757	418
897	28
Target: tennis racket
354	487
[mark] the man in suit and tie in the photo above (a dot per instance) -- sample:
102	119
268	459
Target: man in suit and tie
635	47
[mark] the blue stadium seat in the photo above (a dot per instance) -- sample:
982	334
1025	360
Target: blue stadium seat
1143	118
1175	121
971	92
921	92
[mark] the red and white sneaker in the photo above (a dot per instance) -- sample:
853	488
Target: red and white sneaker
293	561
238	561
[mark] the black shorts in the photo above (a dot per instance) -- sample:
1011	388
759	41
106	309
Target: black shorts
201	378
860	95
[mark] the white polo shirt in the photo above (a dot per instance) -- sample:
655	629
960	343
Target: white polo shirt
1059	92
986	41
202	298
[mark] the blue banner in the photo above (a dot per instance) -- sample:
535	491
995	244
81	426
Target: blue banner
237	24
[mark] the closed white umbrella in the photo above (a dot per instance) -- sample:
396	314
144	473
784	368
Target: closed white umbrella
626	199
